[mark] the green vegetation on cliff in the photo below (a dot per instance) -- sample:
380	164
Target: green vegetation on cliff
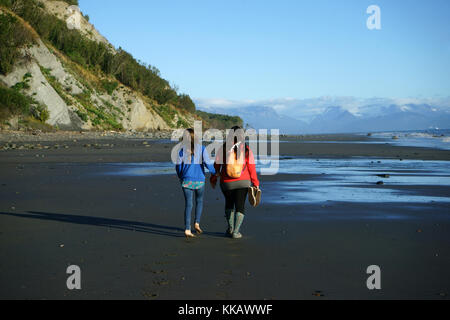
219	121
15	103
95	56
13	36
106	68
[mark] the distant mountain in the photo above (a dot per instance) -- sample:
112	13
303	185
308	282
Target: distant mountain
407	117
260	117
333	119
337	119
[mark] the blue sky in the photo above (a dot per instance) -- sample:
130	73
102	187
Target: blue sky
255	49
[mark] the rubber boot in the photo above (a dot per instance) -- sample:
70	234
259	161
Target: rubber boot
237	225
229	214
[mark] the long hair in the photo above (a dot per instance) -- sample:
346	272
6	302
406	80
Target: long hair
191	134
231	133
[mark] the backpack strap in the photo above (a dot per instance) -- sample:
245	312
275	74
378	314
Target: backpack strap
247	153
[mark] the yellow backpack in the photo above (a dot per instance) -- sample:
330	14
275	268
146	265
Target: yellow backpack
234	164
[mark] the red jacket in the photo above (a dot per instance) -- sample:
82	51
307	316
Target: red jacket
249	172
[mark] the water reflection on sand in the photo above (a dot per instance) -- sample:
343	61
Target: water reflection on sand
355	180
348	180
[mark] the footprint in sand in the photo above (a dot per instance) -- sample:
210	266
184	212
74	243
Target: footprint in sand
224	283
170	254
148	268
150	295
162	262
162	282
222	295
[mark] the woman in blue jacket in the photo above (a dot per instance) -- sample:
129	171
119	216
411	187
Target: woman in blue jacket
190	168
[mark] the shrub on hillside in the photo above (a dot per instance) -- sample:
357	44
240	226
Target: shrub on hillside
14	103
185	102
13	36
94	55
220	121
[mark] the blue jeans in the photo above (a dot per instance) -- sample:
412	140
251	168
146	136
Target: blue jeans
188	195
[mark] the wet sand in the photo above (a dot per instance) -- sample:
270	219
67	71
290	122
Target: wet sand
125	233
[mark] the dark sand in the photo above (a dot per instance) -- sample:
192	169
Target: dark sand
126	233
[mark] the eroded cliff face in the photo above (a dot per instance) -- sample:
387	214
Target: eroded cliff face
64	11
75	97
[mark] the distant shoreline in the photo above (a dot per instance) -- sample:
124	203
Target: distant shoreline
36	135
104	147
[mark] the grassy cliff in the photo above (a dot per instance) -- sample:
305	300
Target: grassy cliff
90	84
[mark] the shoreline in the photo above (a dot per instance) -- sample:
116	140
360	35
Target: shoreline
11	136
8	136
89	148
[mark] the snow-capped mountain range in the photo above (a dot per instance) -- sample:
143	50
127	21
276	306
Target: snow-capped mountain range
336	115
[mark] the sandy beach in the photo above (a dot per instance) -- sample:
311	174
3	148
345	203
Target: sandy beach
76	203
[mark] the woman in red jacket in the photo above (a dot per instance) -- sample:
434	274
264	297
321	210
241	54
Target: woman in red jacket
235	189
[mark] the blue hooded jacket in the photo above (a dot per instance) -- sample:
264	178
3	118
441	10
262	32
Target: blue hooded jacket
194	171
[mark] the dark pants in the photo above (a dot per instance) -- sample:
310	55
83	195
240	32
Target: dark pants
235	199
